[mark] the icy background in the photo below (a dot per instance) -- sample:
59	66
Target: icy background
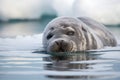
104	11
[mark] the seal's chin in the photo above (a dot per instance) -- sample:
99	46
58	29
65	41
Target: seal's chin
61	46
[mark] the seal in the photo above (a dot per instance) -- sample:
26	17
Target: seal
69	34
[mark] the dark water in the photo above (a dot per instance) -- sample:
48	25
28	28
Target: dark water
18	41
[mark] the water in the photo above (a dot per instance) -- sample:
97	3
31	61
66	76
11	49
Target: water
18	41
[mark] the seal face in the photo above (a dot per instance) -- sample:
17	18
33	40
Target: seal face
67	34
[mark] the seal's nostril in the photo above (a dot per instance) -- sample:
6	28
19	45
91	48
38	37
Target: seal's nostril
57	42
62	41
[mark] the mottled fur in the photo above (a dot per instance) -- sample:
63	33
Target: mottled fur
78	34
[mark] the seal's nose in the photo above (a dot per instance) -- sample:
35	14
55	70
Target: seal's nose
62	44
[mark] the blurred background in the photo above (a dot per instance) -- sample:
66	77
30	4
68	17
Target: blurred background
25	17
104	11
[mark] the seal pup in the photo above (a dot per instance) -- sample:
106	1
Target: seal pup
69	34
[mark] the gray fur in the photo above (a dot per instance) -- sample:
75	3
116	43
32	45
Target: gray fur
88	34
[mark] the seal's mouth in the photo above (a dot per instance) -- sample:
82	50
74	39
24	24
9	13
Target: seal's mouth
61	46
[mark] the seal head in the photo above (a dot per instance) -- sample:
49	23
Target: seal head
67	34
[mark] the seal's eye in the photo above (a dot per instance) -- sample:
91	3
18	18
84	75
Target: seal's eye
49	36
52	28
71	33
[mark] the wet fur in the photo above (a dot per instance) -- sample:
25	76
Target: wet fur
89	33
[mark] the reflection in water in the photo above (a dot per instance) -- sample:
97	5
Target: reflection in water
90	65
73	64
